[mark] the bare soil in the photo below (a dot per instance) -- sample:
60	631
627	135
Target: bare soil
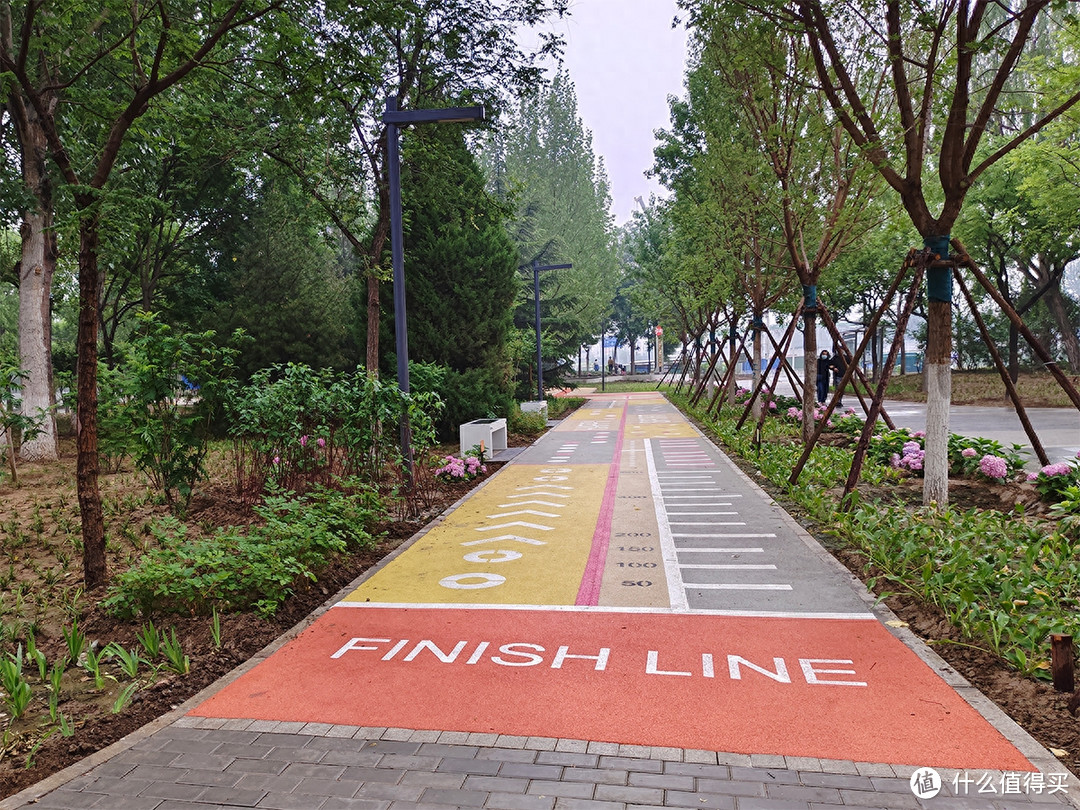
1036	389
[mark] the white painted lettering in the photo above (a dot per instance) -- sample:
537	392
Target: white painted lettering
811	672
707	665
511	649
483	645
550	478
358	644
446	658
395	649
458	582
555	470
564	652
486	556
780	675
650	666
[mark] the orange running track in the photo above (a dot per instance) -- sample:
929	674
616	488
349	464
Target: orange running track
835	689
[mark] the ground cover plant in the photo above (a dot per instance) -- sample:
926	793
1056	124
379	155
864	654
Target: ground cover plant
986	580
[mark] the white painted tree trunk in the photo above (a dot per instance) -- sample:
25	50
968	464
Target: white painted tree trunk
938	399
35	334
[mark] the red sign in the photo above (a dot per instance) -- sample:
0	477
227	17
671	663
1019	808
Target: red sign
659	331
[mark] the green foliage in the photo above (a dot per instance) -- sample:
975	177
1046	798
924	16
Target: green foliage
75	640
150	639
294	426
237	569
175	657
1053	481
164	399
559	407
526	424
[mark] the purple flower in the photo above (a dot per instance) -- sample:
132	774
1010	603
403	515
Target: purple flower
321	442
919	434
794	413
969	452
772	405
277	459
303	440
1032	476
993	466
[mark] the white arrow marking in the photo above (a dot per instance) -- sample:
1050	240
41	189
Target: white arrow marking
512	537
532	512
545	494
516	523
539	503
544	486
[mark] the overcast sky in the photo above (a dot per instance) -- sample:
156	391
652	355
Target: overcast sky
625	60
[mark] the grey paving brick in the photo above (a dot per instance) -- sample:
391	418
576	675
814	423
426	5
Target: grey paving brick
698	769
343	731
171	790
178	732
450	781
707	801
838	766
729	787
481	739
114	767
836	780
240	797
236	724
803	793
367	758
176	804
209	778
112	786
511	741
363	773
236	736
513	801
304	754
874	769
666	781
128	803
541	743
639	751
318	729
859	798
741	760
768	776
327	787
527	770
392	747
286	801
507	755
564	803
666	753
484	767
574	790
628	795
292	726
409	763
441	749
280	740
341	803
772	804
147	757
355	803
71	799
572	746
603	748
263	725
567	758
458	798
698	755
257	766
767	761
314	770
269	783
421	806
390	793
154	773
496	784
203	762
632	764
885	784
180	746
454	737
599	776
334	744
803	763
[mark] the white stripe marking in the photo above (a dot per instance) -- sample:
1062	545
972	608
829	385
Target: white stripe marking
676	594
730	586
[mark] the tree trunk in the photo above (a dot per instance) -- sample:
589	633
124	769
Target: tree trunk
1014	352
938	397
809	375
1056	304
37	264
757	373
93	524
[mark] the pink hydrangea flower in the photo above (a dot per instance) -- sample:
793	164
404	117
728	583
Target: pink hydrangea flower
321	442
993	466
1060	468
303	440
794	413
1032	476
969	452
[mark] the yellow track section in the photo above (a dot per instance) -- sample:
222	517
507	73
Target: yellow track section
523	539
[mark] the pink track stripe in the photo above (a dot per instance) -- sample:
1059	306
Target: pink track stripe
589	591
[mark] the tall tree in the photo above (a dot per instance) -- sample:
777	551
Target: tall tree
950	71
116	60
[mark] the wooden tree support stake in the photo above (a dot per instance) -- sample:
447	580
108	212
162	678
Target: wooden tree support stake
1061	662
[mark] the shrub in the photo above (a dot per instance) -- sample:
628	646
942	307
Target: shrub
239	569
1053	480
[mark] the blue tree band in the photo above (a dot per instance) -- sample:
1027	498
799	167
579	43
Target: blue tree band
938	279
809	292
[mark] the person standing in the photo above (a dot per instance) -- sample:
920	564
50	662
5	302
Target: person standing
839	367
823	365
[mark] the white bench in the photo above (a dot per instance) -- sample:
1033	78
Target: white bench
488	433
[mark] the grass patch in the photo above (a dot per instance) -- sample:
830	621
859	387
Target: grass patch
1037	389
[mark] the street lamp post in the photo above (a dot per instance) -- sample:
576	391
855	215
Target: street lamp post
394	120
537	269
